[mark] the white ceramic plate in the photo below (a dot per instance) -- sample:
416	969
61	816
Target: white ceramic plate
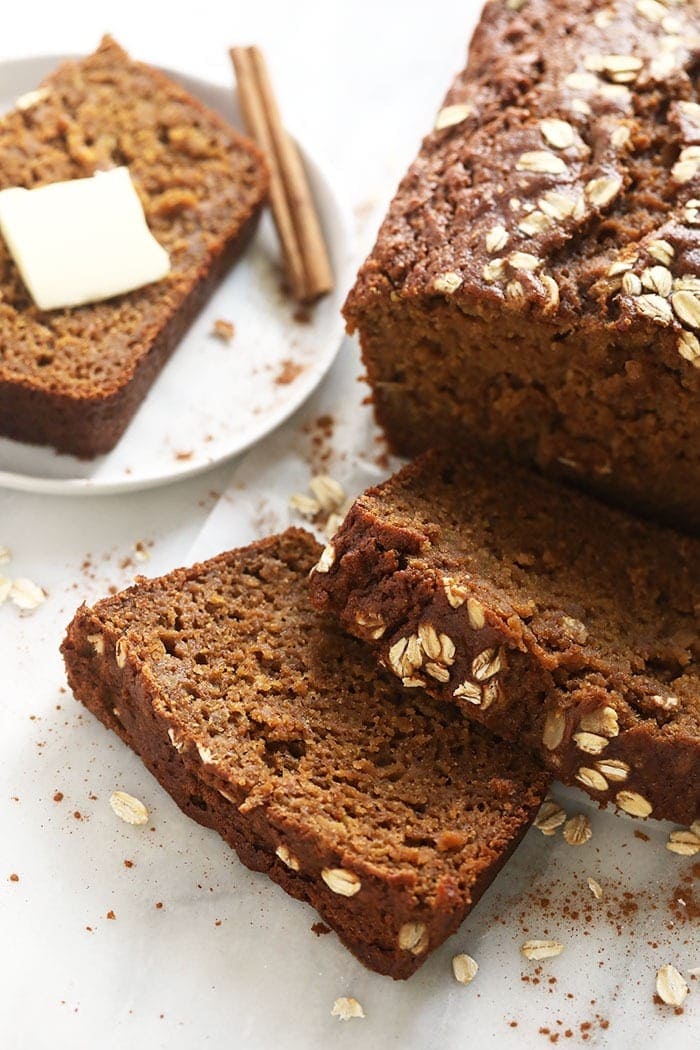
212	399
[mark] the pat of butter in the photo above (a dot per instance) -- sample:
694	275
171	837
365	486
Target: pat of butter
81	241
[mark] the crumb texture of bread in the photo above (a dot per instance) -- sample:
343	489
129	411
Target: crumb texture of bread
559	623
387	811
74	378
535	286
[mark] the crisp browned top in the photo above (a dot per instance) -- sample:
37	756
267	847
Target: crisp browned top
198	182
563	170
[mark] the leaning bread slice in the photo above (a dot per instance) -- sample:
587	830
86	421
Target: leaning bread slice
386	811
557	622
74	378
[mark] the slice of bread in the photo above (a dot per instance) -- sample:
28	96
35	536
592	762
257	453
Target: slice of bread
385	810
74	378
573	629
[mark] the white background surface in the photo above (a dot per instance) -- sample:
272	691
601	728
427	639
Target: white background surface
359	83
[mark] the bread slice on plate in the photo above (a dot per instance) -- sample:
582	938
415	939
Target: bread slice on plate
558	623
388	812
74	378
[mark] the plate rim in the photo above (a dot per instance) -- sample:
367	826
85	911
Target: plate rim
20	482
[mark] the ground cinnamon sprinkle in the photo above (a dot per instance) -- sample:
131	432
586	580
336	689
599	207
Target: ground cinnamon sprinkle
58	797
289	371
14	877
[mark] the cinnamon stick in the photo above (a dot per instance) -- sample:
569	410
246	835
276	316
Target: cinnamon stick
298	227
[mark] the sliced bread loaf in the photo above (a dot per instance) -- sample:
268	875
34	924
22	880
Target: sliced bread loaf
563	625
385	810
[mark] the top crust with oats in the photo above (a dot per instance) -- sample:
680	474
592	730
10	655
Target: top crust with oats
265	722
535	287
74	378
557	622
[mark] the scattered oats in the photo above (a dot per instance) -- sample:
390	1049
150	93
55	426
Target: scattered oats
655	308
691	211
534	223
582	81
469	691
652	10
515	293
658	279
26	594
685	843
341	881
578	632
661	250
475	612
554	726
447	283
373	623
665	703
329	492
580	209
127	808
591	743
622	69
177	744
601	720
634	804
514	204
515	5
414	651
429	640
577	830
670	986
621	266
464	968
31	99
496	238
413	937
223	330
695	828
616	93
494	270
691	111
631	284
687	308
447	650
620	136
663	66
685	169
550	817
397	654
120	652
591	779
345	1008
595	888
541	162
487	664
287	857
97	642
304	505
602	191
537	949
5	555
557	133
524	261
671	25
579	105
613	769
551	292
205	755
492	692
333	523
557	205
688	283
325	562
438	672
412	682
5	588
451	115
456	593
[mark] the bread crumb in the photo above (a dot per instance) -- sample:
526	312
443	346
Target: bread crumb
223	330
346	1008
